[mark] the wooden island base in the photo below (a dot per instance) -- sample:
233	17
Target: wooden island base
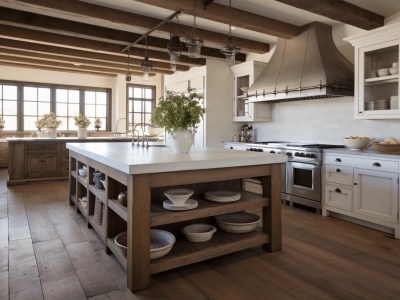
145	211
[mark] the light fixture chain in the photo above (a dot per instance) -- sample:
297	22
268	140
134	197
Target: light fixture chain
230	18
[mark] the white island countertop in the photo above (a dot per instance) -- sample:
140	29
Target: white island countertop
155	159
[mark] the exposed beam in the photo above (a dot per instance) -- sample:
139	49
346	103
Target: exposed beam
80	54
69	66
339	10
240	18
90	13
15	55
51	68
59	26
87	45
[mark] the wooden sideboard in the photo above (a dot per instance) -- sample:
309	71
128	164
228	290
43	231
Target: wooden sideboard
41	159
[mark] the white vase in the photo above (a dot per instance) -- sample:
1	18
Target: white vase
181	141
41	134
82	133
51	132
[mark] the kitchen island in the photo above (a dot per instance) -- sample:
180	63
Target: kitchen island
145	173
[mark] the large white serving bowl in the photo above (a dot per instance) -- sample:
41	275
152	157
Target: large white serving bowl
238	222
161	243
178	196
198	232
356	143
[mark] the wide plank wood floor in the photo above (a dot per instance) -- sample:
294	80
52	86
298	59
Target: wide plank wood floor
48	252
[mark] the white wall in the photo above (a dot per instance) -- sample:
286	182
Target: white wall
117	84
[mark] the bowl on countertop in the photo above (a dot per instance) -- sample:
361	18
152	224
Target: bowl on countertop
178	196
356	142
198	232
244	89
161	243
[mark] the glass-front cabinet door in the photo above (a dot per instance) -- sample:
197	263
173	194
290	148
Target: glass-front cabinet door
244	75
379	81
377	89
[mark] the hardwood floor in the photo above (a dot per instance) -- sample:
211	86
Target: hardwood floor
47	252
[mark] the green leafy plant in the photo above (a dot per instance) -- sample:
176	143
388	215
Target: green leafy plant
81	121
178	111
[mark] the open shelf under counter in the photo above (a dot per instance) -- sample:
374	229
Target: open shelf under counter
97	227
99	193
82	180
117	251
82	209
73	199
185	252
118	209
74	174
248	201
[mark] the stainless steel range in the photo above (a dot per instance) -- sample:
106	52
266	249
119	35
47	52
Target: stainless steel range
301	181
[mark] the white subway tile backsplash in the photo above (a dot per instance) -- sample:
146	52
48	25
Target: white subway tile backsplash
322	121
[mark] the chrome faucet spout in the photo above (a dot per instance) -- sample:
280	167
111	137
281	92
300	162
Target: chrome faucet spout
116	125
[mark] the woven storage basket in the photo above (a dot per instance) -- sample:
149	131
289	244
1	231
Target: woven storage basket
98	211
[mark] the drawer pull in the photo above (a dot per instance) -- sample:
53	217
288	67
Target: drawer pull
338	160
376	164
338	191
338	170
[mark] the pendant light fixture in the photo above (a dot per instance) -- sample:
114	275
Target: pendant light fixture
145	65
230	49
174	47
128	76
194	40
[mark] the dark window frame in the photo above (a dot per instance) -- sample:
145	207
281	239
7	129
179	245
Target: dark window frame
20	99
128	108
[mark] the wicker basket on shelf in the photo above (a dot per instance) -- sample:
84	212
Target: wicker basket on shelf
98	211
104	216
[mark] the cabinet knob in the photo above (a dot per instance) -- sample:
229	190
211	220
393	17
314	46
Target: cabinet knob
338	160
376	164
355	183
338	170
338	191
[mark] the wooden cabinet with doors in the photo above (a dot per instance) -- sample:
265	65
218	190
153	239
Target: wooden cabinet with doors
377	73
365	188
244	75
41	160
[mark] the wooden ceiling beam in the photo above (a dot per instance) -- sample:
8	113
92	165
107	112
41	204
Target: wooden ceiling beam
341	11
47	63
240	18
80	54
32	21
88	45
75	61
89	13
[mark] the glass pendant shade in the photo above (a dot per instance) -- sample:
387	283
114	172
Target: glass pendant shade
145	76
194	43
146	67
230	49
128	77
174	48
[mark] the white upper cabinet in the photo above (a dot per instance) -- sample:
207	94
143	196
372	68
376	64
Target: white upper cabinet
244	75
377	73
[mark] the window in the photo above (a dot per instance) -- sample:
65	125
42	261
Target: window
141	101
96	107
21	104
9	105
36	103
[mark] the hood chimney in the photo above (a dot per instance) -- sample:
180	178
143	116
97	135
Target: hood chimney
308	66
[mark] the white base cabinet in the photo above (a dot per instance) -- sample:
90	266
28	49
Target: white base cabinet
365	188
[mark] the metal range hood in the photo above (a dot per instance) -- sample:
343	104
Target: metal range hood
308	66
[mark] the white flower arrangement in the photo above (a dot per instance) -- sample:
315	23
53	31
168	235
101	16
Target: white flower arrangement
81	121
48	121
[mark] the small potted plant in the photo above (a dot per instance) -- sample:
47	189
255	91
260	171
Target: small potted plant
83	123
50	123
2	122
179	114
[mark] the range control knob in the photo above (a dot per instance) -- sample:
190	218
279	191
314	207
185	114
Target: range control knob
272	151
312	155
260	150
302	154
288	153
308	155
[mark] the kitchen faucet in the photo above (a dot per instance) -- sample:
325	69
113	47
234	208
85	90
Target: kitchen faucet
116	125
134	130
